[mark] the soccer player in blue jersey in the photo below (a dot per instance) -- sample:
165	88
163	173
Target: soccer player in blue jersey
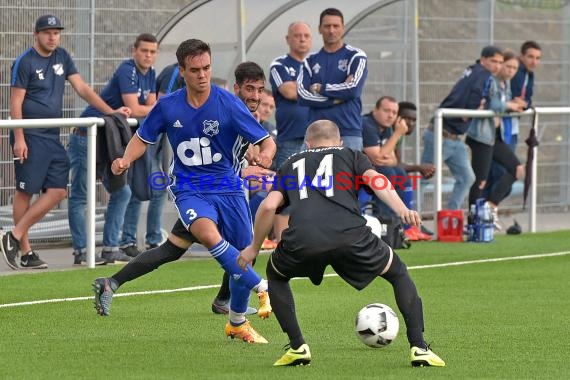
206	127
332	80
37	87
133	84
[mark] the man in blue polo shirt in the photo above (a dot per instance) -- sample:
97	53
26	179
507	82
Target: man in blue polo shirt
41	164
291	118
133	85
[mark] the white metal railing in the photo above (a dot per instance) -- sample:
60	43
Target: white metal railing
91	123
438	159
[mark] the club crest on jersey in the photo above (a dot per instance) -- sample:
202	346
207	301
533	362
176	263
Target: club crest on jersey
316	68
291	71
343	64
58	69
211	127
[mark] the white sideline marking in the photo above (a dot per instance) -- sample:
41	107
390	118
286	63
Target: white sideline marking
193	288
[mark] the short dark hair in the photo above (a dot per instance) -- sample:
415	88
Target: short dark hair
330	12
145	37
389	98
403	105
529	45
248	71
491	51
191	48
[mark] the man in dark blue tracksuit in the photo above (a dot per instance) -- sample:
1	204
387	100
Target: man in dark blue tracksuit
466	94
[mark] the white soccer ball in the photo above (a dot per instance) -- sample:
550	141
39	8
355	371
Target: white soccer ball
376	325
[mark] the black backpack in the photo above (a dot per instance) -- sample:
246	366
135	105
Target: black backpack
393	234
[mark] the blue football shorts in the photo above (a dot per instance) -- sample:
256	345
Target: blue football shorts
229	211
47	165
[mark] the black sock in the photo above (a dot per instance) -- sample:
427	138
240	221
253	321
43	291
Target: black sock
408	300
224	292
148	261
283	305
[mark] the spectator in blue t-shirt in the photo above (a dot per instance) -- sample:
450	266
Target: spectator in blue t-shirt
40	161
332	80
133	85
291	118
169	80
381	130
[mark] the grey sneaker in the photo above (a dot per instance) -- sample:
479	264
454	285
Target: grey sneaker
220	306
80	258
112	257
10	248
131	250
103	296
31	260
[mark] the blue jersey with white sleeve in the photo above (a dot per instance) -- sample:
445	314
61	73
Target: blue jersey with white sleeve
43	78
291	118
339	97
127	79
206	141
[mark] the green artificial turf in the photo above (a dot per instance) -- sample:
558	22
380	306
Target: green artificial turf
494	320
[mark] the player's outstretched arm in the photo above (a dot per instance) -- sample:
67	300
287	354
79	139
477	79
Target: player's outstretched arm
135	149
263	224
267	150
391	198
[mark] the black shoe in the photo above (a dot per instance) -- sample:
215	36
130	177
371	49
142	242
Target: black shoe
220	306
32	260
131	250
10	248
80	258
425	230
112	257
103	296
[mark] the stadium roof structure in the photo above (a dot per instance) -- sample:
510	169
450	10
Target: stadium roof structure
251	29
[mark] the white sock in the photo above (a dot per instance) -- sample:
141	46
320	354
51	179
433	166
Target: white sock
261	287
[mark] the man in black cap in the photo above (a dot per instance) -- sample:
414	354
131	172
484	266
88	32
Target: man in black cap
466	94
41	164
48	22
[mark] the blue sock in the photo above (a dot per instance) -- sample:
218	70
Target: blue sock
241	282
239	296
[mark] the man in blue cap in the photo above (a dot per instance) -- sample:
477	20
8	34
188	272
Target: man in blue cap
40	160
